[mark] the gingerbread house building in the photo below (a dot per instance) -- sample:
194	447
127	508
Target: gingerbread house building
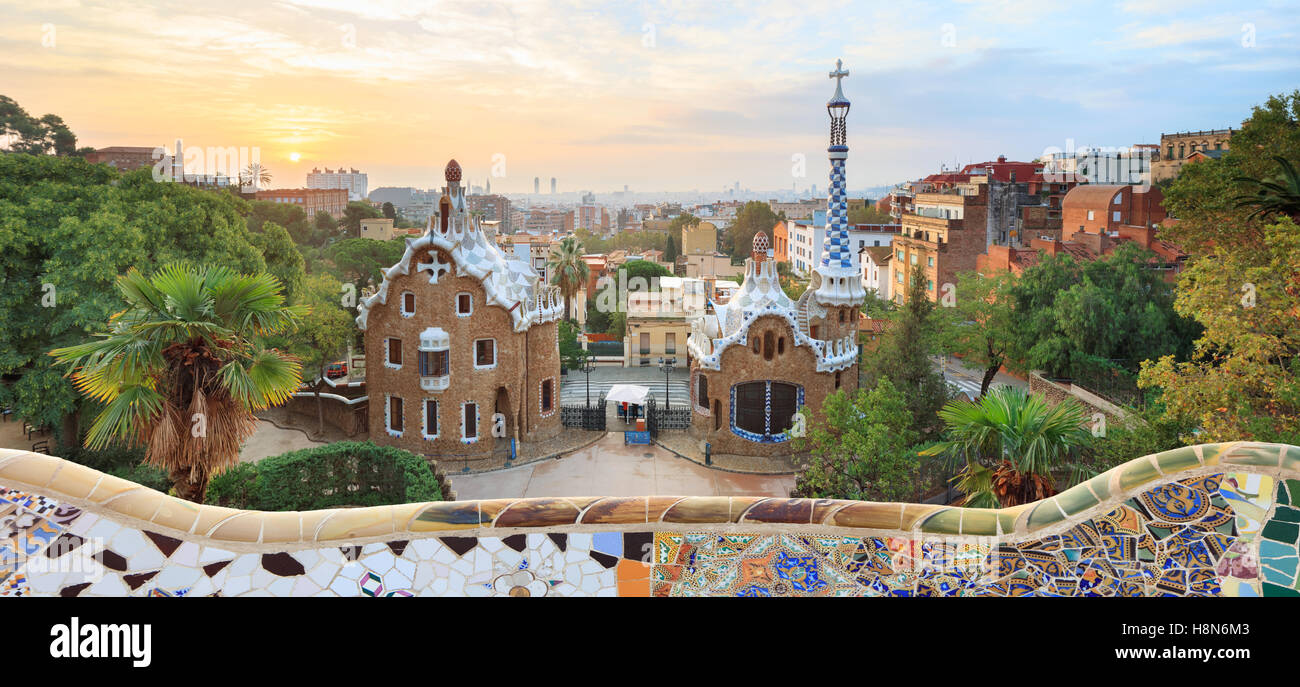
760	357
461	342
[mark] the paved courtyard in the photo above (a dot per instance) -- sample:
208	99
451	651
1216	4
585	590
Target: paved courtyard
270	440
610	468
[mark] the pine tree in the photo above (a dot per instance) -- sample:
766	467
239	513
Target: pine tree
904	358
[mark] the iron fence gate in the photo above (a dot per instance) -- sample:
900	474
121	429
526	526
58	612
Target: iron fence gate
583	416
657	419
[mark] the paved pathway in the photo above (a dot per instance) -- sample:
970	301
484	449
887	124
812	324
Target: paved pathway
968	379
610	468
270	440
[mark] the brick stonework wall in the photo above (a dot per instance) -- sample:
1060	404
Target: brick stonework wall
349	419
740	364
1055	392
523	360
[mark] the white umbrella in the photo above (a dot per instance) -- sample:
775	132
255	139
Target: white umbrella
627	393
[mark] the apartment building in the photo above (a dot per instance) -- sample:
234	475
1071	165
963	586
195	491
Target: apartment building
351	180
334	200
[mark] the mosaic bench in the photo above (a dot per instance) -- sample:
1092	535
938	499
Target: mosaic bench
1209	520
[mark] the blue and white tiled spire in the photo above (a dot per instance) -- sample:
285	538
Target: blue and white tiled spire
841	284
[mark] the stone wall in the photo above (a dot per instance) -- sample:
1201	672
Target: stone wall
352	420
1209	520
1055	392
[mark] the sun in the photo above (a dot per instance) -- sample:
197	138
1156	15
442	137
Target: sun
294	157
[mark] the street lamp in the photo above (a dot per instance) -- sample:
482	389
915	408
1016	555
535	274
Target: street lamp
666	367
588	364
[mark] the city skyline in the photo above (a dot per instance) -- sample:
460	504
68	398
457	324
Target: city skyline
658	97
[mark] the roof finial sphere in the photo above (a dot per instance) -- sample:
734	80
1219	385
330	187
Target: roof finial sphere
453	171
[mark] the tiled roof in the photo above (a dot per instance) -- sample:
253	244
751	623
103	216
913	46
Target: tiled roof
1091	195
879	254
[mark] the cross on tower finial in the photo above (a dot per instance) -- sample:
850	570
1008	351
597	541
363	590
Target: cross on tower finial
839	73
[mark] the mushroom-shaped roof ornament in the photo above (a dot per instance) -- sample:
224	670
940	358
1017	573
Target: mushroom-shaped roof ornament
453	172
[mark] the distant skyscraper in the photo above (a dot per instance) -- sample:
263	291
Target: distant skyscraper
624	188
537	184
552	185
489	185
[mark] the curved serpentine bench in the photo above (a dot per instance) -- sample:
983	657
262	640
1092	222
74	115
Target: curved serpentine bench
1213	519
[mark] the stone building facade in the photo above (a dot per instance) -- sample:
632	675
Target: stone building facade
462	342
1176	148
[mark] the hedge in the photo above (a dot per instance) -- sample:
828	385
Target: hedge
120	461
346	473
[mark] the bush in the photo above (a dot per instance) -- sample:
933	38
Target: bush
147	475
111	459
341	474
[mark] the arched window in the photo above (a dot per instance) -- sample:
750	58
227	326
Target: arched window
702	391
762	411
769	345
758	345
780	346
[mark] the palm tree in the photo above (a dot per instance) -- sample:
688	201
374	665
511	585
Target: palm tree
182	369
1278	195
1011	443
257	174
568	270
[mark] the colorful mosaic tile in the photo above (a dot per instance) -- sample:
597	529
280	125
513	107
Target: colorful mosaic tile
1230	533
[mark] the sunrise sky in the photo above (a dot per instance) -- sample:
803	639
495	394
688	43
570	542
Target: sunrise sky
659	96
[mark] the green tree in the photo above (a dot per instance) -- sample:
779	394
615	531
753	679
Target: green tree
1012	445
44	135
859	447
598	320
1242	283
868	214
1273	196
1204	196
389	211
568	270
572	355
903	357
324	229
362	261
617	325
670	251
352	216
283	261
1081	319
753	217
323	335
680	222
182	369
1144	432
980	325
68	229
1243	381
